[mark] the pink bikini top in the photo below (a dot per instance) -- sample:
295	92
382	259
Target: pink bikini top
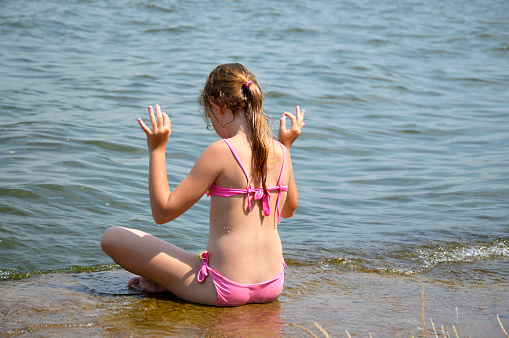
259	194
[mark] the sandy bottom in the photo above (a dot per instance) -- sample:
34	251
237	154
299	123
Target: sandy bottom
101	304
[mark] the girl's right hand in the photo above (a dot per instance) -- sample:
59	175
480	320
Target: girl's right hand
158	135
288	136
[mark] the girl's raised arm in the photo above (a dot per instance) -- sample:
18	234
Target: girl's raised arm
287	137
167	205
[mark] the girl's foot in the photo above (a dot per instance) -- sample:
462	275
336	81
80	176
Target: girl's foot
145	284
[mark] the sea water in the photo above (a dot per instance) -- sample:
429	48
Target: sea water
402	167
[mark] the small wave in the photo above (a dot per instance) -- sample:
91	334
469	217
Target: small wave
177	29
474	81
462	254
112	146
300	30
18	193
17	275
407	261
377	42
158	8
501	47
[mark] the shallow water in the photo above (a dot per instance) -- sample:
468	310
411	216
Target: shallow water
401	168
100	304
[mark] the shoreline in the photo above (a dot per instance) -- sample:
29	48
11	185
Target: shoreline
100	304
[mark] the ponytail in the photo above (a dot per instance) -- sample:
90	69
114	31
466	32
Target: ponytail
260	129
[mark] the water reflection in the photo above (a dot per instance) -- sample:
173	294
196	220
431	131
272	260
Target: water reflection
144	313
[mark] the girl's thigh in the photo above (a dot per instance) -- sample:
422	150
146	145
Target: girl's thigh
163	263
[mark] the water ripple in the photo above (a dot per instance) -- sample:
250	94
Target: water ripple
405	137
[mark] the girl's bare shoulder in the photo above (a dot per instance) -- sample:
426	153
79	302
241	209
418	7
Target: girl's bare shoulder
216	148
280	150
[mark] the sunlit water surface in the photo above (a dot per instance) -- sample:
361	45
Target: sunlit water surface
402	167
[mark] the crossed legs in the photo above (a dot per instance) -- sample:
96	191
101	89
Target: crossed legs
161	265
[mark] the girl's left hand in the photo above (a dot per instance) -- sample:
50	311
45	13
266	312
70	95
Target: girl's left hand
158	135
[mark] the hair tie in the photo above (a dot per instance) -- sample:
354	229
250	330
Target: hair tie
248	83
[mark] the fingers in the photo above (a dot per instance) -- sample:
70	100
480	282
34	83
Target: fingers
158	119
144	127
288	136
159	116
153	122
293	119
300	115
166	120
297	120
282	122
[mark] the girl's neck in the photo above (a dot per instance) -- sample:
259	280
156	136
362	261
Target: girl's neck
239	127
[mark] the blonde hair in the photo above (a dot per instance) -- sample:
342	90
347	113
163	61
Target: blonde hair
227	86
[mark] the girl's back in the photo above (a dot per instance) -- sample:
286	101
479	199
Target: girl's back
244	245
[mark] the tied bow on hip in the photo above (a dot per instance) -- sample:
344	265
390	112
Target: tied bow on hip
203	272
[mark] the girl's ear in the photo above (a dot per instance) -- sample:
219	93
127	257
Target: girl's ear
221	110
218	108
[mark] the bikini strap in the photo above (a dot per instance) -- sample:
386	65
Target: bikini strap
283	166
258	193
280	182
239	162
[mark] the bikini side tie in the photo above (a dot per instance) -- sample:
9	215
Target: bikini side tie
204	269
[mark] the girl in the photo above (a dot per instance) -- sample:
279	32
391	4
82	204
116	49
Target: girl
250	180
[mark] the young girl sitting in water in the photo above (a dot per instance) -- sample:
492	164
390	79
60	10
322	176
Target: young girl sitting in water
250	180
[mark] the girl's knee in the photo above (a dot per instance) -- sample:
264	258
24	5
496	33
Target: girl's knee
109	237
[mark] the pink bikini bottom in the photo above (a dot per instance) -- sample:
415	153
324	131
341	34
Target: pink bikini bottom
230	293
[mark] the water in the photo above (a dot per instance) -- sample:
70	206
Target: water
402	167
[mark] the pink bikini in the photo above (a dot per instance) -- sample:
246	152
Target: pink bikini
259	194
230	293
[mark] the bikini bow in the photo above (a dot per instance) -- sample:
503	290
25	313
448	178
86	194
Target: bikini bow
259	194
203	272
